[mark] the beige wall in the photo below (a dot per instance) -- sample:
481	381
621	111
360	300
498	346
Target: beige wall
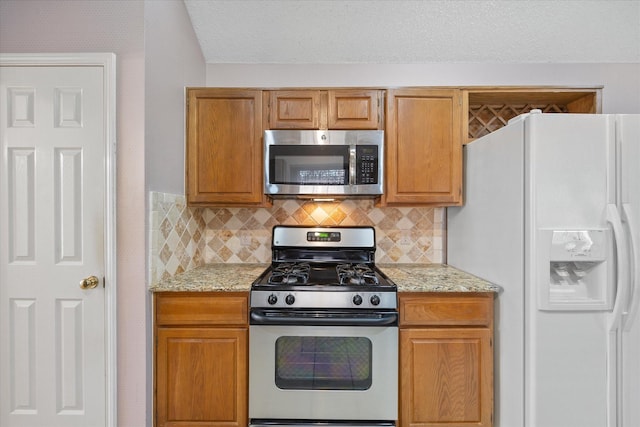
132	318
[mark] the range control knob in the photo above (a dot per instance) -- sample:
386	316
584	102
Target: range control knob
290	299
357	299
272	299
374	300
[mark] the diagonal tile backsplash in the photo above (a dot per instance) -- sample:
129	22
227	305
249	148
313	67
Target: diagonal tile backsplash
183	237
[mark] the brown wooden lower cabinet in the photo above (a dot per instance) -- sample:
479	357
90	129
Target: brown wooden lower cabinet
446	360
201	359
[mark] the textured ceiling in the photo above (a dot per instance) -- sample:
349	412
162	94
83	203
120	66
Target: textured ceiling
399	31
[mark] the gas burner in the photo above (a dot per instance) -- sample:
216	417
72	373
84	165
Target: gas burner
290	273
323	268
356	274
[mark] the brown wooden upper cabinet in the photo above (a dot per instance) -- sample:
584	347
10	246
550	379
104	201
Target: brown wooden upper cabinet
423	147
486	109
224	147
325	109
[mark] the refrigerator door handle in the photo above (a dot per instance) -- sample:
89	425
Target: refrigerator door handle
614	347
634	271
622	270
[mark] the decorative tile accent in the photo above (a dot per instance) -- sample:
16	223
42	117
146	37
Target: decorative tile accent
182	237
176	236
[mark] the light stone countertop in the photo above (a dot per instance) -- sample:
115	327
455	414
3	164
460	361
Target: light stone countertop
211	278
408	277
434	278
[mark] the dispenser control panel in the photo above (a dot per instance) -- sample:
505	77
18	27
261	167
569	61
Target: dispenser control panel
573	271
578	245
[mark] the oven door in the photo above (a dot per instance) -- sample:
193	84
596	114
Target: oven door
285	423
323	373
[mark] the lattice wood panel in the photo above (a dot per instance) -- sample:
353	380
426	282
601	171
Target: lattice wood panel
484	119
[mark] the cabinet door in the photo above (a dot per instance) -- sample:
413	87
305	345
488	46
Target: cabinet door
224	147
296	109
424	149
354	109
446	377
201	377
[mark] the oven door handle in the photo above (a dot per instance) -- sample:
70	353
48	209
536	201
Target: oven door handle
311	318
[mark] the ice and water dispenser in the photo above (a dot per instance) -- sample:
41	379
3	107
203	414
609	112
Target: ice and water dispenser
574	270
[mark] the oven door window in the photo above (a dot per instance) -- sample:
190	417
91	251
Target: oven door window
323	363
309	164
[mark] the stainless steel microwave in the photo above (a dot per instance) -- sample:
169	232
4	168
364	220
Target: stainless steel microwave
323	163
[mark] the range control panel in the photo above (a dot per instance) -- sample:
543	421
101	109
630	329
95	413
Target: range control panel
324	236
323	299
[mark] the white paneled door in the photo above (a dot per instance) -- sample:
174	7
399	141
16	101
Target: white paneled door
52	253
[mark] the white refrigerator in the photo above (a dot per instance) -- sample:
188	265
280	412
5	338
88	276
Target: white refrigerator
551	214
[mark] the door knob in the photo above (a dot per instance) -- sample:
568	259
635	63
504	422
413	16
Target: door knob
89	282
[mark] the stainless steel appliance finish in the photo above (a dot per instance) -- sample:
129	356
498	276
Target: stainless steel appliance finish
323	267
322	299
329	163
271	397
266	423
323	335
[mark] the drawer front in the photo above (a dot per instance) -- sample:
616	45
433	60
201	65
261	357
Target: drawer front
228	308
428	309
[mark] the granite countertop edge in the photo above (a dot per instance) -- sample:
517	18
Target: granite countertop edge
409	278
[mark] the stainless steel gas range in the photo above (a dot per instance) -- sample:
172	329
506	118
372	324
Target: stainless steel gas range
323	335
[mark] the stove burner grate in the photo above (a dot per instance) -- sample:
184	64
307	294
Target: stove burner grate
290	273
356	274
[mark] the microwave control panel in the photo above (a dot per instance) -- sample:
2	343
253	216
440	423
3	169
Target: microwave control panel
366	164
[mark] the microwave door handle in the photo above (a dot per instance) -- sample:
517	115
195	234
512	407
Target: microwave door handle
352	165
